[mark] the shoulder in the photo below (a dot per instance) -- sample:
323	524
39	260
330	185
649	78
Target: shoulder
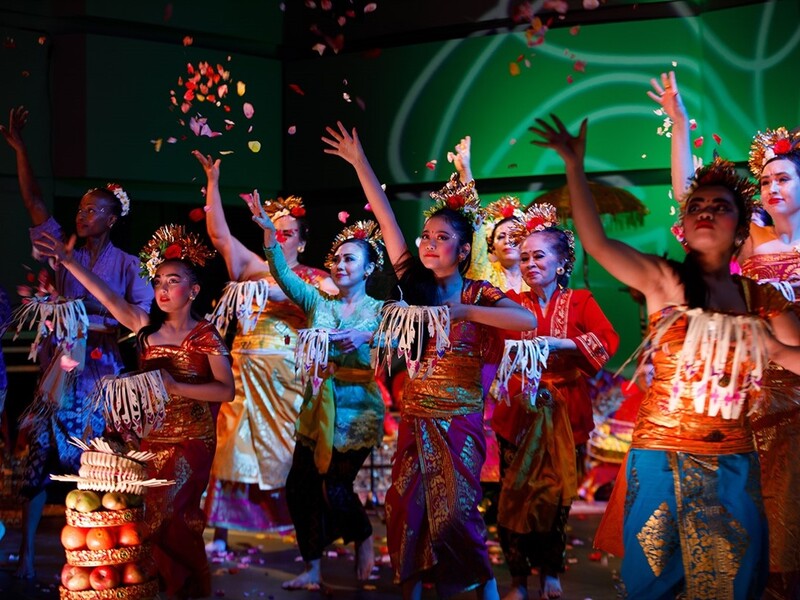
763	299
206	339
478	291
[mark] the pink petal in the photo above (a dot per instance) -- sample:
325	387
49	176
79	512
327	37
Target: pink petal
371	7
248	110
716	138
569	79
574	30
580	66
296	89
367	207
319	48
698	142
292	130
431	164
188	40
343	216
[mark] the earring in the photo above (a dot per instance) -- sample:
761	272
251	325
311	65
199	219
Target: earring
560	271
301	248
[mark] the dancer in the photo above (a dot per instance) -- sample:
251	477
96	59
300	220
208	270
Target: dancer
255	432
769	255
535	436
60	408
341	419
692	472
195	366
433	525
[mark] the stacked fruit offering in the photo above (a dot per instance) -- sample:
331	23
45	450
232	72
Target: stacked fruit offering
107	556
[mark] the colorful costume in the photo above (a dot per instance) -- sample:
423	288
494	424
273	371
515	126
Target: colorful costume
184	449
537	443
433	523
70	412
693	516
776	426
255	432
321	499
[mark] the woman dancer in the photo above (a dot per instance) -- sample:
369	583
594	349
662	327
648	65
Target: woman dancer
536	440
692	471
61	403
769	255
433	524
341	419
195	366
255	432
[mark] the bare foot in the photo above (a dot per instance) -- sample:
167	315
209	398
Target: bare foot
307	580
517	593
551	587
365	559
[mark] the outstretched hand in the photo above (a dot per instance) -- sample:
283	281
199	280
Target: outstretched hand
17	118
54	248
461	158
344	144
210	166
667	95
261	218
570	148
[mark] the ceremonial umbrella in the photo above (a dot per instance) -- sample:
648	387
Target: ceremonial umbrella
623	208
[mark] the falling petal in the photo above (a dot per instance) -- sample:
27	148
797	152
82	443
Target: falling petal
296	89
241	87
188	40
254	146
431	164
370	7
590	4
346	97
326	4
156	144
341	21
716	138
248	110
197	214
292	130
343	216
575	30
580	66
513	68
569	79
319	48
361	104
42	40
512	141
225	152
698	142
692	124
367	207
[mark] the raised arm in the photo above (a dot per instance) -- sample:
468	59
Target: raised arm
633	268
347	146
129	315
28	186
666	95
242	263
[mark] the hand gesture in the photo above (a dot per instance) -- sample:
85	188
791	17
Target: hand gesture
17	118
349	340
667	96
210	166
570	148
461	159
261	217
169	382
343	144
458	311
54	248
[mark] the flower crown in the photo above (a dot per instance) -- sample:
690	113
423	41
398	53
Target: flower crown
171	242
540	217
460	197
120	194
772	143
360	230
507	207
285	207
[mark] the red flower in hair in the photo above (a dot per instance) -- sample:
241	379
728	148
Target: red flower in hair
173	251
297	212
508	211
782	146
360	234
455	202
534	222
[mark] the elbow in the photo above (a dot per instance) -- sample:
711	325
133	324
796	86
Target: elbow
229	393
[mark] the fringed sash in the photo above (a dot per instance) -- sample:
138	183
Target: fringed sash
529	359
403	326
245	299
134	402
65	320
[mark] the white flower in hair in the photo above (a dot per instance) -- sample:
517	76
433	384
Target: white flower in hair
122	196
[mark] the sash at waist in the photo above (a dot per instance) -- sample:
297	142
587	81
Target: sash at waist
352	375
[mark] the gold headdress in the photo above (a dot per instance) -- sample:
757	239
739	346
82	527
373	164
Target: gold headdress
285	207
360	230
507	207
539	217
723	173
171	242
772	143
460	197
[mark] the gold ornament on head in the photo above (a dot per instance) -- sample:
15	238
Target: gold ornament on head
542	217
460	197
285	207
723	173
771	144
171	242
507	207
367	231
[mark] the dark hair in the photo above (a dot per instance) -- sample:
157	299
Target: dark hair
417	282
559	242
158	316
108	195
490	239
378	283
794	158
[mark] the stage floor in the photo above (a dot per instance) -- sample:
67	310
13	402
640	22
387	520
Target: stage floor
257	564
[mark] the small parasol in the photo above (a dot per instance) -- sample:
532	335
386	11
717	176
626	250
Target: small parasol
623	207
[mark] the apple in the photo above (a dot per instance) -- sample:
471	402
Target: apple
129	534
104	577
76	579
87	501
73	538
101	538
72	498
133	574
134	500
114	501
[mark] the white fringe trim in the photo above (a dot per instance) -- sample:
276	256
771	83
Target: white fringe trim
311	356
66	320
245	299
402	325
133	403
785	288
529	359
